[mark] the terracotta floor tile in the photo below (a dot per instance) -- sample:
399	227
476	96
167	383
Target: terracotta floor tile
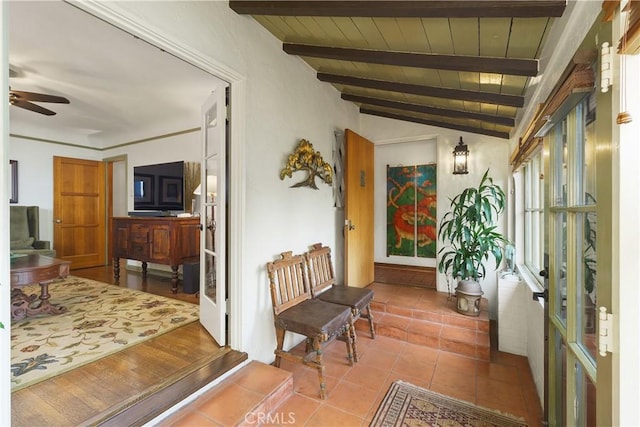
367	376
505	373
424	327
308	384
419	353
230	404
260	378
380	359
389	344
460	393
422	371
393	376
446	377
461	363
455	333
461	321
355	392
192	419
400	310
327	416
296	411
352	398
430	316
393	320
502	396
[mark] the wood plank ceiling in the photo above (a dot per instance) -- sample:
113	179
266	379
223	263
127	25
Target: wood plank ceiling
463	65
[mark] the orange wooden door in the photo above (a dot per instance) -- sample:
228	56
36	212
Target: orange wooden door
358	229
79	211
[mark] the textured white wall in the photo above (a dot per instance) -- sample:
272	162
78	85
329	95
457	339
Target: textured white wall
484	153
521	325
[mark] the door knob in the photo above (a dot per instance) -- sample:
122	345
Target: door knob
58	221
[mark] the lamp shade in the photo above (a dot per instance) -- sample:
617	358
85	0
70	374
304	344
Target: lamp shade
212	186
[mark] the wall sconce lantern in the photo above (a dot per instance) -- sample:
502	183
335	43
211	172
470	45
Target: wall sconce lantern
460	154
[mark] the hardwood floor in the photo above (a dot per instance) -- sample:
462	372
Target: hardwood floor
133	385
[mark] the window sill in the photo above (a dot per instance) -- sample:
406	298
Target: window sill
530	280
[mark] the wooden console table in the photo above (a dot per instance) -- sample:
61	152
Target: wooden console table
30	269
161	240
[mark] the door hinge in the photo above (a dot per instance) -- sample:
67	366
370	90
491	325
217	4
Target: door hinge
605	335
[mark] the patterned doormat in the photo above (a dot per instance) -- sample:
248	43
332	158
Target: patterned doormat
101	319
408	405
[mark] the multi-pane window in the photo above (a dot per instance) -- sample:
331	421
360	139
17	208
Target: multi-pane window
534	214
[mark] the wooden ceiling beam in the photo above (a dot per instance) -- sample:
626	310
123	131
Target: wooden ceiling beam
436	92
404	9
372	112
425	109
479	64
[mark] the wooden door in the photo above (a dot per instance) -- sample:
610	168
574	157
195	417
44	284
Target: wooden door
79	211
358	228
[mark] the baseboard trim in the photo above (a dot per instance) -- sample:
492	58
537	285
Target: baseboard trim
400	274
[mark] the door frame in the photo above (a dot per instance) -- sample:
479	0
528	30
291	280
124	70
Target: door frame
109	162
108	12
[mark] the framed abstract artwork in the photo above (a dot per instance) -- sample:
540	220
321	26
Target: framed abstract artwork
411	211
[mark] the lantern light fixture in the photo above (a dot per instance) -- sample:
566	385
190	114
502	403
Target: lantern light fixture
460	155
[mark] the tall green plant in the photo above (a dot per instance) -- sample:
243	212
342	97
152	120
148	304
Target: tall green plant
469	231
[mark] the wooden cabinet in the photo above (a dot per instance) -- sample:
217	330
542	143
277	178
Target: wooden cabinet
163	240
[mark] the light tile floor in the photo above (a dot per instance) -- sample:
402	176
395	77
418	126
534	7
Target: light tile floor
504	383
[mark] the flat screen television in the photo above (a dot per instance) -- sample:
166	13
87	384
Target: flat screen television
158	188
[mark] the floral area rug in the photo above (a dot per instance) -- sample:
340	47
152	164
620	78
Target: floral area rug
101	319
408	405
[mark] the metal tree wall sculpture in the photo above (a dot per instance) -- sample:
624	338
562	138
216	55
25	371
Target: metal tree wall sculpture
305	158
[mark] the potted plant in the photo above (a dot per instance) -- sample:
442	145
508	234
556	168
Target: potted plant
469	232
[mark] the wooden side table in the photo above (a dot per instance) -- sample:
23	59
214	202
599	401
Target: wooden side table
31	269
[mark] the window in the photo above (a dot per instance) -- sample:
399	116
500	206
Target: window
534	214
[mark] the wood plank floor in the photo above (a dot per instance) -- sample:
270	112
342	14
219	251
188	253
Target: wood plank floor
133	385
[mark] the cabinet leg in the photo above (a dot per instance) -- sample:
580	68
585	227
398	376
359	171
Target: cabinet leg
144	269
174	279
116	268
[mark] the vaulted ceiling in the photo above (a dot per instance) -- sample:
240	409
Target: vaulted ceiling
463	65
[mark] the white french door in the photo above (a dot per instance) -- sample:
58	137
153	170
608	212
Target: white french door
213	217
580	230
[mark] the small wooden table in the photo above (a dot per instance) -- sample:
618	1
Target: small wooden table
31	269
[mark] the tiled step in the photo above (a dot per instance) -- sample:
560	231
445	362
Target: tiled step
245	398
432	322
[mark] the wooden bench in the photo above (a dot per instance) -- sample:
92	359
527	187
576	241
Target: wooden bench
295	310
324	287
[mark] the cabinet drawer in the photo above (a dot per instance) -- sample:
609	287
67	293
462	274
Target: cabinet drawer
139	251
139	233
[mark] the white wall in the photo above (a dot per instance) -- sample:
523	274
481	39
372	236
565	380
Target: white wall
520	324
484	153
184	147
408	153
35	175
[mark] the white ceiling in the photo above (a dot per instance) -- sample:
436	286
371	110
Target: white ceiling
120	88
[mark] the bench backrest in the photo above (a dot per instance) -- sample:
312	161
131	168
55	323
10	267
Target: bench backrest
288	281
320	268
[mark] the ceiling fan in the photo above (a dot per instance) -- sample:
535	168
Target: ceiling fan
25	100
